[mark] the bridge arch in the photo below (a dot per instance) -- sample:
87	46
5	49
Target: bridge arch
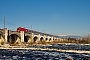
26	38
12	38
0	35
35	38
46	39
41	38
49	39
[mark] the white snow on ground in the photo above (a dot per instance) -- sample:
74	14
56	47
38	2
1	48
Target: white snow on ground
35	52
35	48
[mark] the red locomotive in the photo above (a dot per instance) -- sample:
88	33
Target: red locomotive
22	29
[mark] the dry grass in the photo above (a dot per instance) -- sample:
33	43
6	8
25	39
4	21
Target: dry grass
43	42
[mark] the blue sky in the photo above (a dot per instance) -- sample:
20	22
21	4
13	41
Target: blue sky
50	16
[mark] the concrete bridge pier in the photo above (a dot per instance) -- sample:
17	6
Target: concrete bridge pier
44	38
51	39
38	40
22	36
6	34
32	37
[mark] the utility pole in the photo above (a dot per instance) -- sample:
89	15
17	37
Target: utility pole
4	22
4	26
5	31
44	32
31	34
31	28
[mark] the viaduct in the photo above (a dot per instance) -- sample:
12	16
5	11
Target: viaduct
9	36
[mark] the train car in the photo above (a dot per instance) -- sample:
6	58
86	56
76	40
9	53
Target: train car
22	29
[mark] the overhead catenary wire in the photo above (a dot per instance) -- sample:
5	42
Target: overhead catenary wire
8	24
